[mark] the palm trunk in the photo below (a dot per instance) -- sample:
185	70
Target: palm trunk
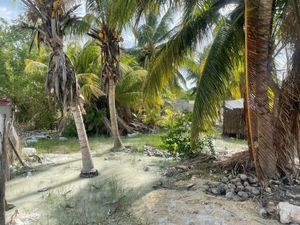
258	15
266	153
88	169
113	115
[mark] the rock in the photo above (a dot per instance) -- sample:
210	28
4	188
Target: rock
157	185
236	198
255	191
133	134
288	213
252	180
146	168
189	186
268	190
271	209
169	172
221	190
215	191
230	190
240	188
230	195
243	195
243	177
206	187
225	180
182	168
239	184
246	184
236	180
263	213
231	186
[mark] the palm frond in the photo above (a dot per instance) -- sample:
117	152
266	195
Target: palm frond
217	72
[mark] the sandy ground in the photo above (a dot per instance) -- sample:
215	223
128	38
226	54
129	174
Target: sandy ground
122	194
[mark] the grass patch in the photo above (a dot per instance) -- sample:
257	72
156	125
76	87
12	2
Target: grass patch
71	145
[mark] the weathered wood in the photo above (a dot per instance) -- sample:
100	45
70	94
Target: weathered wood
2	169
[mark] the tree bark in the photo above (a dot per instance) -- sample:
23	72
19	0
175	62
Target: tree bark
266	153
88	169
2	169
258	16
113	115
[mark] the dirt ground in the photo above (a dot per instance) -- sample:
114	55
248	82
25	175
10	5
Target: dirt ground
122	194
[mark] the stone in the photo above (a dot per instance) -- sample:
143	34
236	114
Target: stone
221	189
230	190
268	190
236	180
239	184
243	194
206	187
240	188
246	184
170	172
146	168
243	177
255	191
231	186
288	213
230	195
252	180
225	180
215	191
263	213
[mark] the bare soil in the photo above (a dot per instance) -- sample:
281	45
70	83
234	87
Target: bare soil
122	194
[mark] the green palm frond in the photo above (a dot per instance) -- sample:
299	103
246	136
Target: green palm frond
35	67
223	56
129	91
181	44
90	86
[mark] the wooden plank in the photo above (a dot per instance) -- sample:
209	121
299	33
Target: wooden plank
2	169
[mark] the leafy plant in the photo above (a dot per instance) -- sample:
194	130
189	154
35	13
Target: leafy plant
177	139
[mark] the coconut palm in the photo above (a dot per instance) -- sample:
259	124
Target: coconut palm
109	20
225	53
50	20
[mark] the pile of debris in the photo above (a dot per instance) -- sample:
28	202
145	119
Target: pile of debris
152	151
239	188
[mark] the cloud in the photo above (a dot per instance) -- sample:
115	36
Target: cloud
7	13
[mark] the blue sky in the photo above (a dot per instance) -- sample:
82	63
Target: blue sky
10	9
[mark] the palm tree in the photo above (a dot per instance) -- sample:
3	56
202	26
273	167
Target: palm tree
225	53
50	21
109	20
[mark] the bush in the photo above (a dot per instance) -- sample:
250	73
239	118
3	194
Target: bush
177	139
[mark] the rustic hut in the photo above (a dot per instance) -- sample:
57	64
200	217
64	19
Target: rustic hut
233	119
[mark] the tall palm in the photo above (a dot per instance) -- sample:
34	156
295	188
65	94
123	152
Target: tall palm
109	20
50	20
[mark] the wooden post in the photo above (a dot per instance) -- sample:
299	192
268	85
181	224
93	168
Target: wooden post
2	169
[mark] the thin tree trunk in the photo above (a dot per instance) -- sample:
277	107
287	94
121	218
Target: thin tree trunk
88	169
113	115
2	169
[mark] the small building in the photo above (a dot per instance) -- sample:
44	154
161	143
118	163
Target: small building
234	119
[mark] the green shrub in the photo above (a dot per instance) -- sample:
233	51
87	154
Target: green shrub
177	139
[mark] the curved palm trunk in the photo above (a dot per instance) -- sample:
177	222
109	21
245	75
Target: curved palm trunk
88	169
113	115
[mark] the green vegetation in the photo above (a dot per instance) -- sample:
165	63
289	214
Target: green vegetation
71	145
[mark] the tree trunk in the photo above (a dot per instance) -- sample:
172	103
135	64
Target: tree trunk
258	16
266	153
2	169
88	169
113	115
